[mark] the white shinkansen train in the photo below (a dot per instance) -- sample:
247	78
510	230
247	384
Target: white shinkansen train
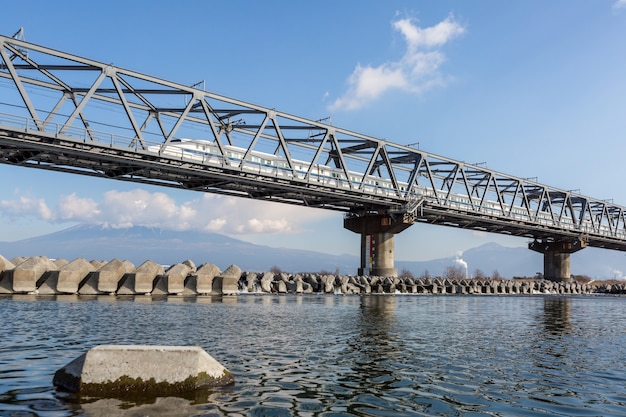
263	163
207	152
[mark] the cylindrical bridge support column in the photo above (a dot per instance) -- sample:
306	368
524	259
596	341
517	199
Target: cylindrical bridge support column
556	266
382	255
377	245
556	257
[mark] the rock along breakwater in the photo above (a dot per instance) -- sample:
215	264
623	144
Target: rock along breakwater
43	276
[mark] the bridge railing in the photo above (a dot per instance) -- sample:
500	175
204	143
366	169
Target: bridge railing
30	125
127	143
426	195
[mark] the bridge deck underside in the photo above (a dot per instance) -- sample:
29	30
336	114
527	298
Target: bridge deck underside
447	217
53	154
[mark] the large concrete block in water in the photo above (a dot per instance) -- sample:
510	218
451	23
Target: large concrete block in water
67	278
175	277
25	275
6	287
60	262
127	370
5	264
110	274
141	281
145	275
18	260
227	282
205	276
173	280
266	281
191	264
96	263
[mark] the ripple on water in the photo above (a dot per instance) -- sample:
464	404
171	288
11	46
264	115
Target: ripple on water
339	356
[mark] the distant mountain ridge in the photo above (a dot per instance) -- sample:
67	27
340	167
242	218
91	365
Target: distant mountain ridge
138	244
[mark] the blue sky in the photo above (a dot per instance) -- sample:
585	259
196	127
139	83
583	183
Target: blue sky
531	88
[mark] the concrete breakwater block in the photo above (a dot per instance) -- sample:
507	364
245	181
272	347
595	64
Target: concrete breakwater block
141	370
67	278
204	278
70	276
173	280
227	283
6	287
5	264
141	281
26	275
110	274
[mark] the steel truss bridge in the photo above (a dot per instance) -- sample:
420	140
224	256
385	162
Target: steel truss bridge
66	113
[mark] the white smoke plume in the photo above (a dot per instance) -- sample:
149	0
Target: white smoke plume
459	260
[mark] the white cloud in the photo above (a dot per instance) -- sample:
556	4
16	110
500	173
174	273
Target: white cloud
265	226
209	212
367	84
214	225
26	207
437	35
619	4
74	208
415	72
244	216
141	208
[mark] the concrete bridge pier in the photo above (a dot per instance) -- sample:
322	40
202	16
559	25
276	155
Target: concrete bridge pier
377	245
556	257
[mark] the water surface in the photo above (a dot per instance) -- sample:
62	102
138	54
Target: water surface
325	355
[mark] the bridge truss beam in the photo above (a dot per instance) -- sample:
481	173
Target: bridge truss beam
66	113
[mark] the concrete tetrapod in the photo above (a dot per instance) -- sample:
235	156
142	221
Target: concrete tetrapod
68	278
172	281
26	275
142	280
6	287
227	282
204	278
110	274
141	370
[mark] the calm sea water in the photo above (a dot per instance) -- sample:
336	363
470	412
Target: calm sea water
335	355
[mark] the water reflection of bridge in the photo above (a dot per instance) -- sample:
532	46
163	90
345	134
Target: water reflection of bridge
557	316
